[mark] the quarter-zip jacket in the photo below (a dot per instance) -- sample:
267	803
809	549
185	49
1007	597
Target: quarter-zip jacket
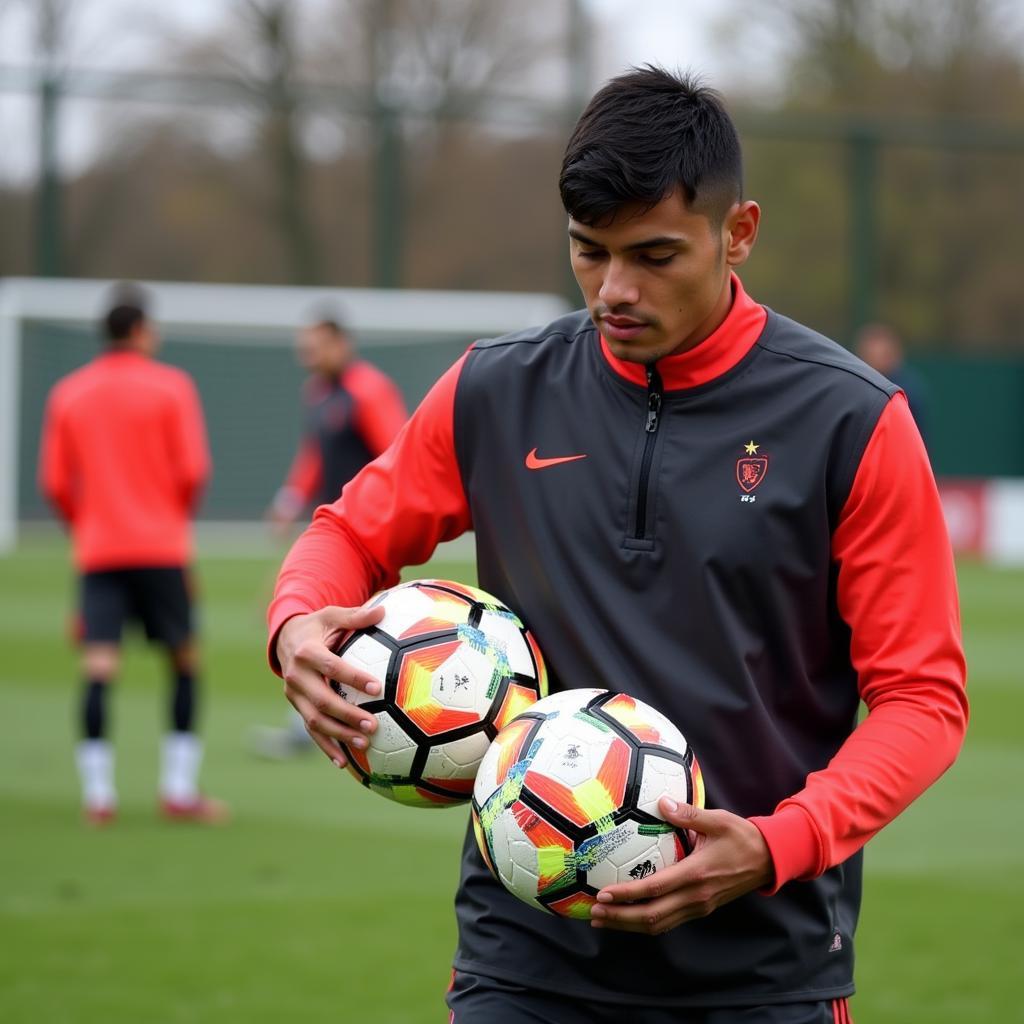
747	536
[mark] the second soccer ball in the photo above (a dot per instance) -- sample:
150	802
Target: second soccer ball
566	799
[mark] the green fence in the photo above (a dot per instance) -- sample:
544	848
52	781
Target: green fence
974	415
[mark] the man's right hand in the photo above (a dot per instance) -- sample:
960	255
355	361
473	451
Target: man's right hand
307	664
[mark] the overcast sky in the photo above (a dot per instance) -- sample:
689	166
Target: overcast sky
119	34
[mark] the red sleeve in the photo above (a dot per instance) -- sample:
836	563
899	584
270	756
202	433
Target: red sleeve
189	446
393	513
897	592
56	472
380	411
303	480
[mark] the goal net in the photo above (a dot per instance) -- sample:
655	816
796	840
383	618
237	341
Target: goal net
237	343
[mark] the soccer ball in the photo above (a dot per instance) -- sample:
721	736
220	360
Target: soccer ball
566	799
456	665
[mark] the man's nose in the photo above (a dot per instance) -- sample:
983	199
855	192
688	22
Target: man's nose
619	287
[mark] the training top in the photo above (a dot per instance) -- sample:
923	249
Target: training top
123	459
349	421
748	537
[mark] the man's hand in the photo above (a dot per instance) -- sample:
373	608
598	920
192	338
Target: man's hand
730	858
307	663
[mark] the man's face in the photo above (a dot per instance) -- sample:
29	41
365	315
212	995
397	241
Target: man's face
656	282
321	350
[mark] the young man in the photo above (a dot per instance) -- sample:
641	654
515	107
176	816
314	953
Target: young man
353	412
123	460
702	503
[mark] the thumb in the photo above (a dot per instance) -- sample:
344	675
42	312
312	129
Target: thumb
335	618
687	816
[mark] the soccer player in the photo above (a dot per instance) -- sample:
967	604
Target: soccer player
353	412
123	460
693	499
881	348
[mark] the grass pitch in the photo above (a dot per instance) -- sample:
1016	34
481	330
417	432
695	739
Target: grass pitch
323	902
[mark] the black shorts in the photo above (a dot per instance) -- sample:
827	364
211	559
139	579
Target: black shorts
158	598
475	999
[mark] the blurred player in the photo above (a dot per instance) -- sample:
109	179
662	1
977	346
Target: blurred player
353	412
881	348
693	499
123	460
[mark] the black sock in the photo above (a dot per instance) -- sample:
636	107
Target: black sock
183	702
94	709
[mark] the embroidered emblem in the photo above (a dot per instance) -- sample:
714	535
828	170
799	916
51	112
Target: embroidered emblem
837	944
751	468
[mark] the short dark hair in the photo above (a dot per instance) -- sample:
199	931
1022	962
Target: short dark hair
127	310
330	325
645	135
329	317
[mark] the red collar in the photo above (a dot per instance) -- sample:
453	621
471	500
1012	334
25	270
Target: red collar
719	352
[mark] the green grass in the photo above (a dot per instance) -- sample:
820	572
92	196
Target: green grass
322	902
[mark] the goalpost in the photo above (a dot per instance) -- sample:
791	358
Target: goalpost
236	341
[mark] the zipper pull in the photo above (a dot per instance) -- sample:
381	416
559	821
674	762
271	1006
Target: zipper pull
653	400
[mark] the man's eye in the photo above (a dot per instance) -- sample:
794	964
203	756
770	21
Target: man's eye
590	254
659	261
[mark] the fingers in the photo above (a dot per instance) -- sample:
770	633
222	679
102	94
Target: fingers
317	681
732	859
653	905
326	733
648	919
653	887
327	717
312	654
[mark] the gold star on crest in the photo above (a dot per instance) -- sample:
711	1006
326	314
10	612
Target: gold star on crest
750	448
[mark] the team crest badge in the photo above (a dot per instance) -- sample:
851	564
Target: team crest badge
752	468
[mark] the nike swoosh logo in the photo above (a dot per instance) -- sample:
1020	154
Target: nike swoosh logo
533	462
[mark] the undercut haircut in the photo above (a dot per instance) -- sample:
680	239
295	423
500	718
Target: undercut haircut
644	135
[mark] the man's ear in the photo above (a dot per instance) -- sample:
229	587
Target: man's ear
740	232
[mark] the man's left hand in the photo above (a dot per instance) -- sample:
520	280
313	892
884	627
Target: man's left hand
730	858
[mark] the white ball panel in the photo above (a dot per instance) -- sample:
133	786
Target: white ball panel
403	607
571	753
503	631
515	857
456	760
487	775
391	751
646	862
661	777
370	656
461	681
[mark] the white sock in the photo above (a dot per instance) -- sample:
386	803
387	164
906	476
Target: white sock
179	770
95	759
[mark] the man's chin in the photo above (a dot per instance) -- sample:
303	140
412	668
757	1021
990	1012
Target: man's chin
634	352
